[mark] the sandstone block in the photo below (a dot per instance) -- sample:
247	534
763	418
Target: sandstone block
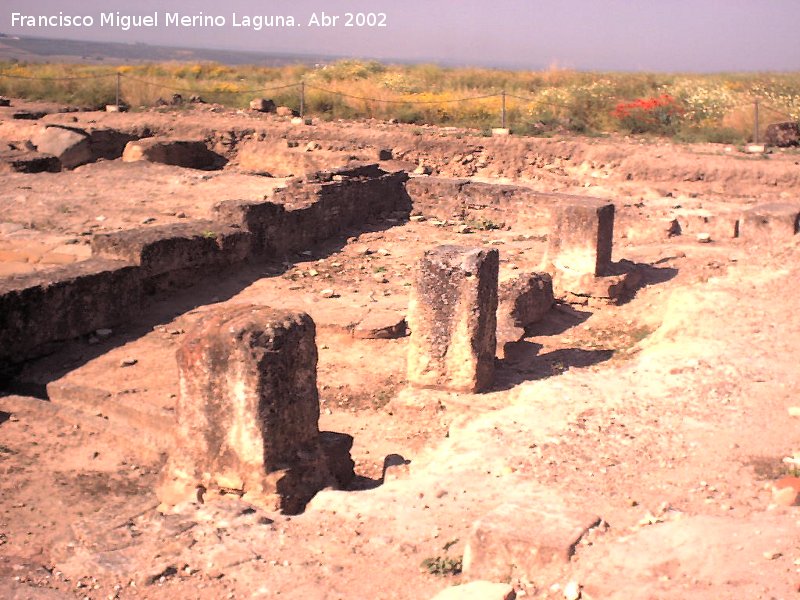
769	223
285	111
782	135
248	411
262	105
70	146
522	301
24	161
380	325
477	590
619	284
515	540
453	320
581	236
786	491
182	153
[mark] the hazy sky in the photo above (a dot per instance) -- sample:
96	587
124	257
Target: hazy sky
665	35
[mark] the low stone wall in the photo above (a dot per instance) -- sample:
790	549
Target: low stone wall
62	303
503	205
305	214
111	288
172	256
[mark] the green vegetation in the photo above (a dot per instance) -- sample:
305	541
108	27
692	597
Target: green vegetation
442	566
690	108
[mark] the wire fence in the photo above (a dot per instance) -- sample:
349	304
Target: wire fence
296	96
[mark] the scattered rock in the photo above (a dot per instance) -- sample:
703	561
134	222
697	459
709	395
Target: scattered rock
263	105
191	154
572	591
786	491
423	170
328	293
70	146
128	362
783	135
381	324
704	238
518	540
477	590
285	111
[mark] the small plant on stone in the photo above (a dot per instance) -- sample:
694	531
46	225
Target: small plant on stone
557	368
209	235
482	224
443	566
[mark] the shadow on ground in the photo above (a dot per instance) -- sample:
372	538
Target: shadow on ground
31	378
524	363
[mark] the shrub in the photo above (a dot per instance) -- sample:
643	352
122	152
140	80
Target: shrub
656	114
713	135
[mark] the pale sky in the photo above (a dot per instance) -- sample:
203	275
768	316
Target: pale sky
663	35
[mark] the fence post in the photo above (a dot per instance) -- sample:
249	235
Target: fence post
118	89
302	99
755	122
504	109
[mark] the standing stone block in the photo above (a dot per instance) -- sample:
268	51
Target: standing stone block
581	236
248	410
452	317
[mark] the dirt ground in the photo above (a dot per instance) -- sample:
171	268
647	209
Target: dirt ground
666	417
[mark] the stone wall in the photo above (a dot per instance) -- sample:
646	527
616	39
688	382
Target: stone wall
111	288
516	206
62	303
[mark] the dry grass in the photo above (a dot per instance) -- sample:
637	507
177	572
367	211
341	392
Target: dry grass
714	107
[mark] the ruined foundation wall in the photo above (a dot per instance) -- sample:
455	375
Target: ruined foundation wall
503	205
41	308
111	288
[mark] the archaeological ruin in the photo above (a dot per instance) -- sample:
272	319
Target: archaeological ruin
243	355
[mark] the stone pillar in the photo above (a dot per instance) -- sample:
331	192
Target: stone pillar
452	317
248	411
581	236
